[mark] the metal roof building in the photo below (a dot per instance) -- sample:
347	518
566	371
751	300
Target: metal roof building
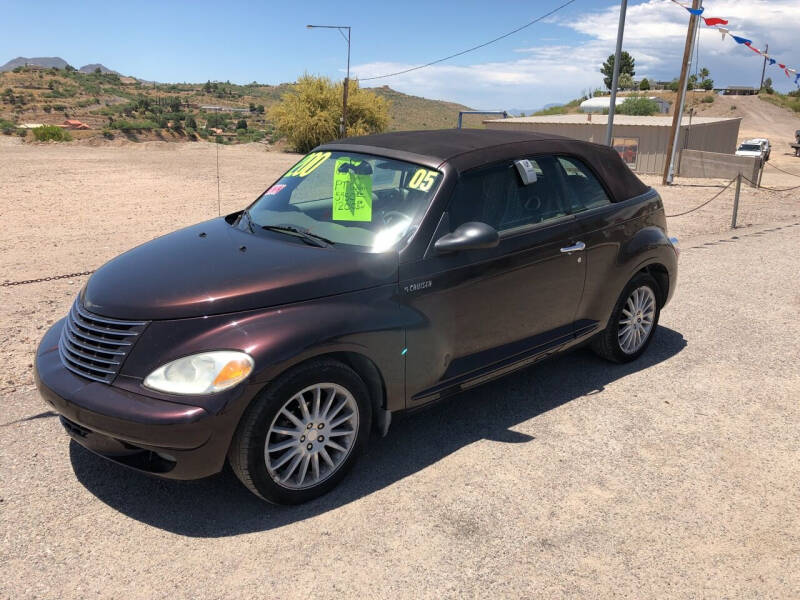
640	141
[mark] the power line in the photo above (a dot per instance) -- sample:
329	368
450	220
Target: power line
497	39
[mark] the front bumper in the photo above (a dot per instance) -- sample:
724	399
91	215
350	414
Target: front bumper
164	438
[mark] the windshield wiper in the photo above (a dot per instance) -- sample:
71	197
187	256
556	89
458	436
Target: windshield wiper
307	236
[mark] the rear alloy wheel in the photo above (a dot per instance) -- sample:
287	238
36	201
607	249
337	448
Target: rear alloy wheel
636	320
302	434
632	323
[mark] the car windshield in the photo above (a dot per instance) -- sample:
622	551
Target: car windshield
750	147
362	201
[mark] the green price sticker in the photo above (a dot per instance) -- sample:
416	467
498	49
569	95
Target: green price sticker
352	190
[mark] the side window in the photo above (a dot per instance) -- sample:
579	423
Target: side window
582	187
497	197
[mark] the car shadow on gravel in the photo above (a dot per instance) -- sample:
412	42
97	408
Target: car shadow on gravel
220	506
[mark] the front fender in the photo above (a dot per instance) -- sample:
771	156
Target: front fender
370	323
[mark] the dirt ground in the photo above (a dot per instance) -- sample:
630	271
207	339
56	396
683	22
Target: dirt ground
673	477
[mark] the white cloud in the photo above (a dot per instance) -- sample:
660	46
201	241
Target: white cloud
655	32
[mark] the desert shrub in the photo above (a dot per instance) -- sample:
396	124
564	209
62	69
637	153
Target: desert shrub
733	107
127	126
108	134
51	133
309	113
637	105
23	133
47	108
217	120
191	123
707	99
241	124
7	127
551	110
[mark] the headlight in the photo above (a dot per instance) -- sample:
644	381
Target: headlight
205	373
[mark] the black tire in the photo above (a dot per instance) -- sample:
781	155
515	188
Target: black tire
246	454
607	344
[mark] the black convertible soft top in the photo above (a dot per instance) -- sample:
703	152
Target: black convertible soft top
466	149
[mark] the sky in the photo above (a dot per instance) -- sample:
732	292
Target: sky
552	61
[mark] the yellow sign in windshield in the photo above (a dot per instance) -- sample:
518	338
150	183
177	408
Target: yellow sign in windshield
352	191
308	164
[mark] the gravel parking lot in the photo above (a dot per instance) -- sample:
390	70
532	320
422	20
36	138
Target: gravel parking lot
676	476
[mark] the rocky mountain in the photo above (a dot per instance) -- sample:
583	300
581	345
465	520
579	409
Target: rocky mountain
94	66
39	61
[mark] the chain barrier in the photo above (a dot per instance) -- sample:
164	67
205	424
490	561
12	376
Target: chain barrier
764	187
714	197
781	170
41	279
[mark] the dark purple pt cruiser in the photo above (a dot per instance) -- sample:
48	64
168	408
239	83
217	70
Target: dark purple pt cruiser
379	274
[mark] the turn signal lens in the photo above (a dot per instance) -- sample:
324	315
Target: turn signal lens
204	373
235	370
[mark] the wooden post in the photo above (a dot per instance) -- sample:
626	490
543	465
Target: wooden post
736	201
678	112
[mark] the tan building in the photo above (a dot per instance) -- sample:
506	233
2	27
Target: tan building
641	141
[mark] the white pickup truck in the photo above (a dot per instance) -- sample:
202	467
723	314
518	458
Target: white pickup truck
756	147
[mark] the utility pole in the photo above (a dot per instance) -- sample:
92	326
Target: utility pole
764	68
672	145
615	77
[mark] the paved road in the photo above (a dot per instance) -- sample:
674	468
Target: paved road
674	477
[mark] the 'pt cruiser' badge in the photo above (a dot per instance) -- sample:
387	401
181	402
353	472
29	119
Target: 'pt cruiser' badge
415	287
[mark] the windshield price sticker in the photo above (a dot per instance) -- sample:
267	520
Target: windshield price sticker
423	180
308	164
275	189
352	192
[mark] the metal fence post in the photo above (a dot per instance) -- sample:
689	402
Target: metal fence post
736	201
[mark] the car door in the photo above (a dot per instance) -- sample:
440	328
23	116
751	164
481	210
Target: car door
603	227
480	312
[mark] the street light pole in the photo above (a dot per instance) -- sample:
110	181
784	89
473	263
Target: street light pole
612	105
345	89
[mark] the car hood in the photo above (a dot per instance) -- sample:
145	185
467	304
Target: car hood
748	153
214	268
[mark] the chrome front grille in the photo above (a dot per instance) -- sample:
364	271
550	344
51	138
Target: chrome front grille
95	347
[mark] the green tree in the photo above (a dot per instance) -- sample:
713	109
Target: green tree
191	123
644	84
309	113
207	87
252	107
626	66
692	83
625	82
705	79
768	86
260	109
241	124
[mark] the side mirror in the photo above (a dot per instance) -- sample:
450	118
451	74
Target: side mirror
469	236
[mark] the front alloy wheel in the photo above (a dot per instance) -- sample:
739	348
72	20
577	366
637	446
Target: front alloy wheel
302	434
311	436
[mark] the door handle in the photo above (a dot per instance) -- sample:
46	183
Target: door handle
577	247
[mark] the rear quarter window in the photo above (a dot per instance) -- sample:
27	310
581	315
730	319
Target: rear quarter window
583	190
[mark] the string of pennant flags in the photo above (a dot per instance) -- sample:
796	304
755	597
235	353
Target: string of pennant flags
720	25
